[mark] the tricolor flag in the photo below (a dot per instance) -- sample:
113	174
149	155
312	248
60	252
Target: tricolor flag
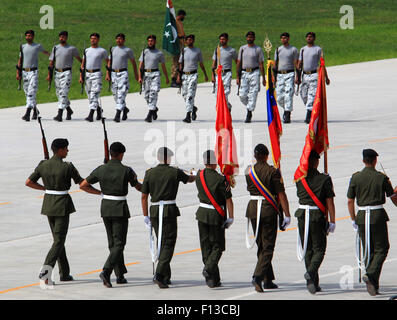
225	147
170	36
273	117
317	137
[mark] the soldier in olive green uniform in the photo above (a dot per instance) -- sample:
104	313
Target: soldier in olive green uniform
211	223
162	183
369	187
267	229
316	240
114	178
57	204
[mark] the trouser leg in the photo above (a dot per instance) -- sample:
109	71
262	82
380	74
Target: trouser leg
93	88
30	86
189	88
120	88
152	89
62	82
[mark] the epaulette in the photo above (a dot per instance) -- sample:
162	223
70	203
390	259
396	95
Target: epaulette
247	170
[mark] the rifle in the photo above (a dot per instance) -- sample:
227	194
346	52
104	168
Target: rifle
105	142
275	69
20	65
110	68
43	140
213	69
82	71
142	70
239	72
51	69
299	73
181	69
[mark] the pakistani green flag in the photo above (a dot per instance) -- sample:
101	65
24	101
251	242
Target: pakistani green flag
170	36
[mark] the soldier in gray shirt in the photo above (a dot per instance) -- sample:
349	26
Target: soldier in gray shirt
149	75
118	68
91	65
250	60
28	63
189	60
224	56
309	58
62	55
286	57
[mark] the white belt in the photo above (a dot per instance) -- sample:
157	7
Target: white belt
258	217
370	208
208	206
115	198
58	193
160	203
301	252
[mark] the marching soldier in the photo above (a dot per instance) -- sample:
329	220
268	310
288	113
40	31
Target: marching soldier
91	65
29	61
250	61
215	197
62	56
227	56
370	187
150	77
189	61
264	183
286	57
312	220
118	69
309	58
114	178
56	175
181	36
162	183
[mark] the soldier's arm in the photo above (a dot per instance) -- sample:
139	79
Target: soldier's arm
144	202
85	186
140	72
284	203
350	207
167	80
46	53
78	59
81	68
34	185
135	69
262	68
107	78
230	208
331	209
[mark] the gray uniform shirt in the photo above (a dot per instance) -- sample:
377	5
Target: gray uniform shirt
311	57
120	57
31	54
228	54
152	58
252	56
286	57
192	57
95	57
64	56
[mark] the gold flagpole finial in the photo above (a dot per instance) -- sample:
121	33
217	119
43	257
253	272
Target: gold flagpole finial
267	45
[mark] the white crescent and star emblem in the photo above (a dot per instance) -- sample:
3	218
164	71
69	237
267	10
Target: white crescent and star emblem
174	33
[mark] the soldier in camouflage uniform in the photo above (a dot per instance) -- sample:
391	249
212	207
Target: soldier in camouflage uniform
162	183
57	204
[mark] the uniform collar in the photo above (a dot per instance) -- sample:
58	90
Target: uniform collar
114	161
56	157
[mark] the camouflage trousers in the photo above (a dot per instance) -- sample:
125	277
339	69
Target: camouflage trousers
308	89
152	88
249	88
227	84
120	87
62	82
30	86
189	87
285	90
93	87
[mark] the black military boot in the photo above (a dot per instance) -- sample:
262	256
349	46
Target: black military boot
158	279
149	116
99	113
256	281
287	117
188	117
154	114
26	117
117	116
90	117
105	277
125	111
35	113
308	116
194	113
66	278
311	287
69	113
59	116
269	284
249	117
121	280
371	288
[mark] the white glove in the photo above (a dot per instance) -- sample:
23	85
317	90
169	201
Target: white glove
193	172
148	224
331	227
228	223
355	226
286	222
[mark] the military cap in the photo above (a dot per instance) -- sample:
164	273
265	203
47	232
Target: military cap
117	147
163	153
209	157
63	33
59	143
250	33
369	153
190	36
261	150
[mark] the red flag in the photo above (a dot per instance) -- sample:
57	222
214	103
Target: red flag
317	137
225	147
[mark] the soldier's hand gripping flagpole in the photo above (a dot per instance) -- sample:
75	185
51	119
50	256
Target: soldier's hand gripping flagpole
43	140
